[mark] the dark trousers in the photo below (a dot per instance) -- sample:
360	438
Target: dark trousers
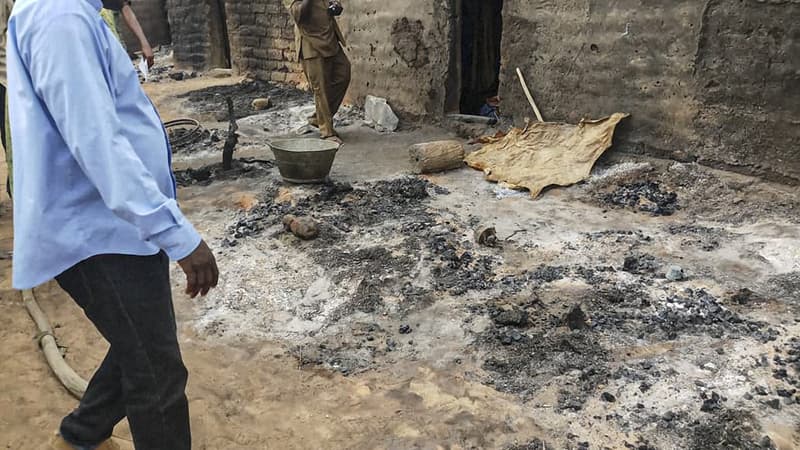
3	139
128	299
329	79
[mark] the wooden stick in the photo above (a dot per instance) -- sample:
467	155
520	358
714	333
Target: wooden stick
528	94
47	341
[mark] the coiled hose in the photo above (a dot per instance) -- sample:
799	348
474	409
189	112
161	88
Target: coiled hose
196	128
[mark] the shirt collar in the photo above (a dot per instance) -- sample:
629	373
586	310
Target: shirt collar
98	5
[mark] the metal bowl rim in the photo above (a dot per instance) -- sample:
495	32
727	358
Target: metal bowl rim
321	145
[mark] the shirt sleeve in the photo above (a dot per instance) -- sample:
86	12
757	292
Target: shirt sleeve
69	70
294	9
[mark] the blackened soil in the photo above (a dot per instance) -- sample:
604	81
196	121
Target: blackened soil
211	100
242	168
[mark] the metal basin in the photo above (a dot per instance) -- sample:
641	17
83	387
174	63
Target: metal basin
304	160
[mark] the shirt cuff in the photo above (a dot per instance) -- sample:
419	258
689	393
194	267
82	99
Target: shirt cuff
179	241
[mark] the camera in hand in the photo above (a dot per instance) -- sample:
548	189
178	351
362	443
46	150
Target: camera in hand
335	8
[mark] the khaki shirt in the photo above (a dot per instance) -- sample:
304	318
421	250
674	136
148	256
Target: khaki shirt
319	35
5	12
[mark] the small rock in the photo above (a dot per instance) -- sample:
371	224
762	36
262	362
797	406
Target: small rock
761	390
713	403
512	317
576	319
379	114
675	273
748	396
766	442
743	296
774	403
261	104
639	406
644	387
710	367
668	416
177	76
608	397
786	392
405	329
220	73
699	383
303	227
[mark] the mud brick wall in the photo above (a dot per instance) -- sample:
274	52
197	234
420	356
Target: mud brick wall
400	51
152	16
715	81
198	33
261	34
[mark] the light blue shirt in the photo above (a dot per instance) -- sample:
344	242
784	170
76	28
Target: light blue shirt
92	164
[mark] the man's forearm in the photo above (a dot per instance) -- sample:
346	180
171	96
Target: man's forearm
133	24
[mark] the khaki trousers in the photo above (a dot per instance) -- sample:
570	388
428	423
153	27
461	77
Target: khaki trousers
329	79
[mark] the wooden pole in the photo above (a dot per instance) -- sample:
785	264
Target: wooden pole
528	94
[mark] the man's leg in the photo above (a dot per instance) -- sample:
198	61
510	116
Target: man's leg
315	73
338	68
128	299
4	136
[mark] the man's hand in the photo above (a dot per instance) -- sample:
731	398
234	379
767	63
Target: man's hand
147	52
201	270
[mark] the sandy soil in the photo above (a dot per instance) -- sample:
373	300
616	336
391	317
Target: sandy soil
271	368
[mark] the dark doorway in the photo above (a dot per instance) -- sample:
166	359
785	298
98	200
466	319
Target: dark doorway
481	34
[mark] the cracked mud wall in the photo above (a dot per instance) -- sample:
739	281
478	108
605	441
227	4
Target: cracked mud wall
716	82
401	51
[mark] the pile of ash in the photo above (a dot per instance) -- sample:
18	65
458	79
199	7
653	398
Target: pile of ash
696	310
378	235
644	196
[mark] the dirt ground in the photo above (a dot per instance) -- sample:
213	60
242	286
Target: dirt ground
395	330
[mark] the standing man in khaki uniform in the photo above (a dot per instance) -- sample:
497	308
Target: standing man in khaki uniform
319	44
5	11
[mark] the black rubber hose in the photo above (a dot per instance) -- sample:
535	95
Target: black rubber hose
188	137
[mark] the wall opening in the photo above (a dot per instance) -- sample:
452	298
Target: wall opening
481	31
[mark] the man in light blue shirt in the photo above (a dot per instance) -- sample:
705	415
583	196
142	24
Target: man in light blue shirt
95	207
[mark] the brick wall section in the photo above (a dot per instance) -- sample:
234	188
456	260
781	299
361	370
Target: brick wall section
261	34
197	34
